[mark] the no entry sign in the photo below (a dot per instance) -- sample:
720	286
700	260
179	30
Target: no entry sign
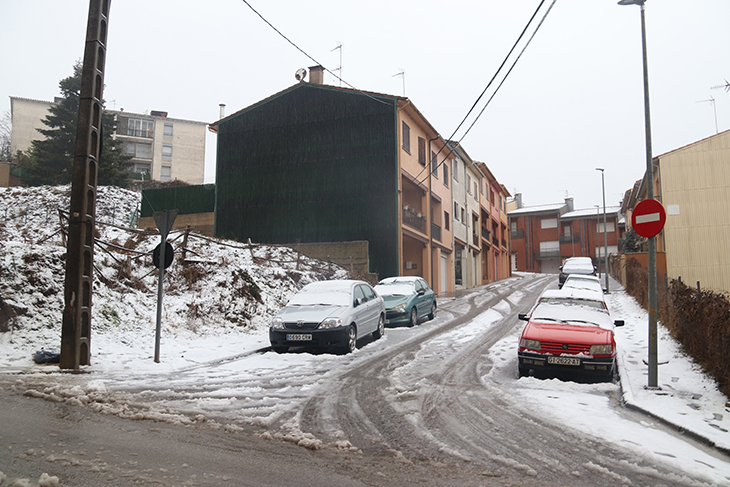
648	218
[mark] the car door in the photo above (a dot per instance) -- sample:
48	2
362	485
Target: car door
373	308
420	299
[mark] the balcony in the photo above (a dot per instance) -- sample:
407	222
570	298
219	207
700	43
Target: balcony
146	133
495	241
475	240
486	235
518	234
435	232
414	219
504	243
569	239
547	254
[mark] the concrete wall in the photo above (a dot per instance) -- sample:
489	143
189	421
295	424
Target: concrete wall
353	256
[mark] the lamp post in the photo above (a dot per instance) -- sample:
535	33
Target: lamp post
605	234
649	175
598	219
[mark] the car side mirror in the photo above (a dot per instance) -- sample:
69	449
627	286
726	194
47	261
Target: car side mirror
358	302
618	323
421	292
523	317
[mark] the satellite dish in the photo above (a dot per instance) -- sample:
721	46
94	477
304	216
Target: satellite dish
300	74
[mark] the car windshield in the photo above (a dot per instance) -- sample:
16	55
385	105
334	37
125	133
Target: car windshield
322	295
577	283
395	289
568	302
576	313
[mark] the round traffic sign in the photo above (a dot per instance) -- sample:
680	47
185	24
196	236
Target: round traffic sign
169	254
648	218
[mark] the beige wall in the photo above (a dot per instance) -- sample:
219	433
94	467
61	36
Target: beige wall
695	182
26	117
188	150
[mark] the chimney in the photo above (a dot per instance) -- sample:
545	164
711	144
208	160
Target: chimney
223	110
569	203
316	75
518	199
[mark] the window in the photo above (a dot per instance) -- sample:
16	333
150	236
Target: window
481	186
567	231
434	165
167	133
456	211
446	220
468	184
455	169
422	151
166	173
491	196
550	247
140	128
359	294
166	152
446	175
513	226
138	150
609	227
463	216
549	223
475	190
406	138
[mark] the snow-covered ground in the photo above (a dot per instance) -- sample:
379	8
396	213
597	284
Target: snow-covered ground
213	324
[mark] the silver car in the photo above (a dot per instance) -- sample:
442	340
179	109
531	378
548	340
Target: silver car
330	315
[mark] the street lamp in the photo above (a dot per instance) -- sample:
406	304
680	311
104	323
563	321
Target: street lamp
605	234
598	219
653	362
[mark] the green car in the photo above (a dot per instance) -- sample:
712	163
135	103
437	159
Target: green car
407	300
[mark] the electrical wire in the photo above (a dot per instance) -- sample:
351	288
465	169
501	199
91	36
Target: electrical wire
458	143
310	57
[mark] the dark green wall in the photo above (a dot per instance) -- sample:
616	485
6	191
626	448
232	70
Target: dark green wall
313	164
188	199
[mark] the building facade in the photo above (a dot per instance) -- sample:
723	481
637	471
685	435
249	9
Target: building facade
162	148
317	163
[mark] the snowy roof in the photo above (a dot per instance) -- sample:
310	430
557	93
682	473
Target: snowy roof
538	209
590	212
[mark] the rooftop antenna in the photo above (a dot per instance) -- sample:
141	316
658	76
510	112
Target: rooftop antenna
726	86
711	100
339	68
403	75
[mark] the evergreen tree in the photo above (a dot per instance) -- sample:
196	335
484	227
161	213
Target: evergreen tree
50	161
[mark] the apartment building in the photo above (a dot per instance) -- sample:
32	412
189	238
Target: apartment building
693	184
331	165
162	148
494	229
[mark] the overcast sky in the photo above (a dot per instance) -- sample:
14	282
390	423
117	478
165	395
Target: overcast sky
574	101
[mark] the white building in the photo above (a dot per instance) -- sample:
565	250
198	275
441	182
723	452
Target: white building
162	148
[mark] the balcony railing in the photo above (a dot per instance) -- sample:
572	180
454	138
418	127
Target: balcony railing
518	234
147	133
435	232
495	241
414	219
569	239
486	235
547	254
504	243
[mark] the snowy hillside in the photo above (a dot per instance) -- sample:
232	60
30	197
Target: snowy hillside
222	287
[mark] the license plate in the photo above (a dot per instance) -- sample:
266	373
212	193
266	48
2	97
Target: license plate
299	337
563	361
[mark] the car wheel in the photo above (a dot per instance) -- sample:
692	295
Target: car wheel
381	328
432	314
280	349
523	371
351	344
413	321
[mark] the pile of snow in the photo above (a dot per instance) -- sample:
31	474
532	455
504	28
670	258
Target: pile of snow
222	287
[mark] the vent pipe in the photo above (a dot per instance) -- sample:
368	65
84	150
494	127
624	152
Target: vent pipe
223	110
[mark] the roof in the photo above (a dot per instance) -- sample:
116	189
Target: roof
590	212
213	127
538	209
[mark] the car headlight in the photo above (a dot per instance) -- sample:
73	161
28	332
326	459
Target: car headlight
277	323
531	344
601	349
400	307
330	323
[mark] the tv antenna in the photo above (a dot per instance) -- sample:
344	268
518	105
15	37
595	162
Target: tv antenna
403	75
339	68
711	100
300	74
726	86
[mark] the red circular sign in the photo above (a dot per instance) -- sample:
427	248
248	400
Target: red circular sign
648	218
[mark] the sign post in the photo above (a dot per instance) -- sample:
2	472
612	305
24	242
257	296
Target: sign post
648	220
164	220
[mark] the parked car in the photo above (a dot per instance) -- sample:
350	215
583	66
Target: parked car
330	315
407	299
568	330
576	265
581	281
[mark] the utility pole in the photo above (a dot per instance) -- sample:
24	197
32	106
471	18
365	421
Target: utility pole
76	325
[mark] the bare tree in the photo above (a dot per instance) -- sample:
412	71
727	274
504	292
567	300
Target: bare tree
5	131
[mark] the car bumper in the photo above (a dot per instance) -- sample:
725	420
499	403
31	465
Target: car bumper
329	338
544	362
397	317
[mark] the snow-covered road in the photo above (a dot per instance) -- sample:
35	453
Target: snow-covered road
445	394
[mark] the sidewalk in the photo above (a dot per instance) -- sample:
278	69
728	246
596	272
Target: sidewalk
686	398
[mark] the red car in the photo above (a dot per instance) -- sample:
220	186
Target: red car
569	330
